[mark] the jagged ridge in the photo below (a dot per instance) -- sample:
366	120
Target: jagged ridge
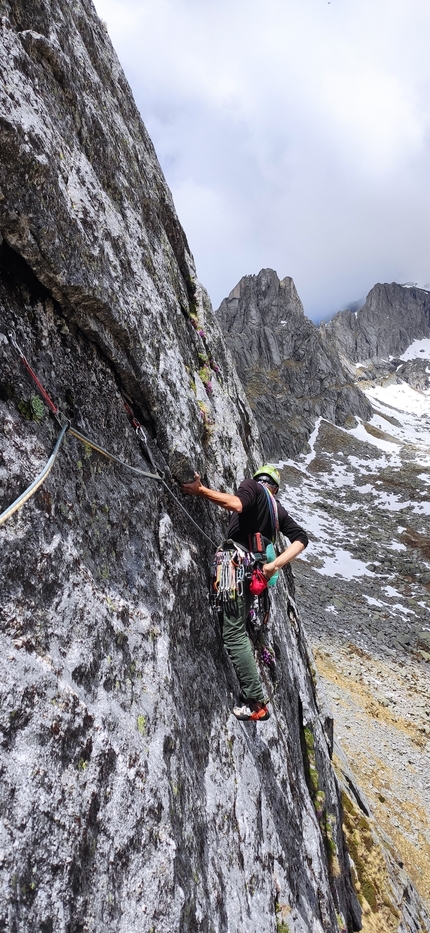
391	318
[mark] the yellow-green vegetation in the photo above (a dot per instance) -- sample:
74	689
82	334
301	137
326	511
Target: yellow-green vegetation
381	435
205	416
141	724
207	421
371	882
327	821
282	911
32	409
311	760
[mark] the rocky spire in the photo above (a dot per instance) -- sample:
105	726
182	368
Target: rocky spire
290	371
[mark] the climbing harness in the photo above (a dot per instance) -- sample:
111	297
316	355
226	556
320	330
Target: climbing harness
67	428
233	570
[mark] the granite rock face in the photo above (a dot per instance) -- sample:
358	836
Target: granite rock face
392	317
291	373
130	799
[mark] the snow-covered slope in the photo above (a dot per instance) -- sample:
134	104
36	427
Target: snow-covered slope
363	495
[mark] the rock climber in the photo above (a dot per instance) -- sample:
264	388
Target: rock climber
255	510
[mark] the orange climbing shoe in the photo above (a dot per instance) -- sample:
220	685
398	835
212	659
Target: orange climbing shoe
246	714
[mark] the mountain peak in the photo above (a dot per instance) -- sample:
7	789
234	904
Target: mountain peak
289	370
391	318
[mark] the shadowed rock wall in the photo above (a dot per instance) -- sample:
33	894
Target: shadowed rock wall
130	799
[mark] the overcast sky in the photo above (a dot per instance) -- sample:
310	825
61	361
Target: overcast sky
294	134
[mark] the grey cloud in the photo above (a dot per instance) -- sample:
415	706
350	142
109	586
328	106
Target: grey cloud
289	138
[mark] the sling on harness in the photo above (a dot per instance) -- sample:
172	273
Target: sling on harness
232	565
233	571
261	545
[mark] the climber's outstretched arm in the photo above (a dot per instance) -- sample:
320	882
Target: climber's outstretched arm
224	499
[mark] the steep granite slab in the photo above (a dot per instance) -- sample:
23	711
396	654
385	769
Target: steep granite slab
84	201
130	798
129	794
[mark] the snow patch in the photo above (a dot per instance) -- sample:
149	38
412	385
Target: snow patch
419	349
390	591
362	435
421	508
343	565
401	397
312	440
372	601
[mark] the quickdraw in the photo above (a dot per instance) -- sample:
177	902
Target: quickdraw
240	576
43	392
66	428
231	566
232	571
143	438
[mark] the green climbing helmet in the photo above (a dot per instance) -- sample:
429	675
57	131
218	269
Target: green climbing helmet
269	472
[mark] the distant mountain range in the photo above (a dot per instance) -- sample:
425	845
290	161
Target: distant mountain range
294	371
363	496
391	318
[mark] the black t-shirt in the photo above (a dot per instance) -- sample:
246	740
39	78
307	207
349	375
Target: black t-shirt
256	516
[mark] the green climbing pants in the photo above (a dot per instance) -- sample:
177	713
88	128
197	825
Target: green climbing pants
240	650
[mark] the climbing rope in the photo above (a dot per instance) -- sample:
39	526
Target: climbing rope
44	394
37	482
69	429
